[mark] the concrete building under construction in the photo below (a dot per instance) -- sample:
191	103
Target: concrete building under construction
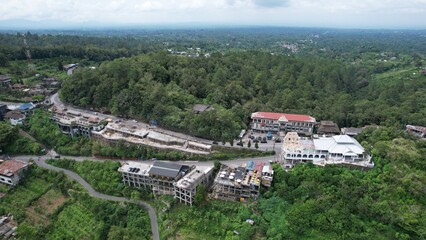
237	183
168	178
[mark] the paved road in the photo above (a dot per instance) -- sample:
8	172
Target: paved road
152	216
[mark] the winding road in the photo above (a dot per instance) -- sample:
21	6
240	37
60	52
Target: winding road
92	192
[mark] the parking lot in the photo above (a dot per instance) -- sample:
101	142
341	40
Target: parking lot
269	145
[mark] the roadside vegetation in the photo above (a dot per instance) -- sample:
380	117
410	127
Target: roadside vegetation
12	143
47	205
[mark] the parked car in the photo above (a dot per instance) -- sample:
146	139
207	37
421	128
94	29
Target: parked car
277	140
255	140
263	140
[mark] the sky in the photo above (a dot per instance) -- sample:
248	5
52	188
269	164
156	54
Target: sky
298	13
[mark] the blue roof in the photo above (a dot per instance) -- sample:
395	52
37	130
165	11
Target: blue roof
26	106
250	165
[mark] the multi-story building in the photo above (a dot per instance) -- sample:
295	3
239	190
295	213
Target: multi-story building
74	123
174	179
11	171
186	187
242	182
340	149
275	122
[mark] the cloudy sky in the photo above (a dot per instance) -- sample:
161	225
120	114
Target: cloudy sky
309	13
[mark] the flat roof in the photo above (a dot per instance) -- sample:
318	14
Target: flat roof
10	167
131	165
193	177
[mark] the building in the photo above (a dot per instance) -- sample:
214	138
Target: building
15	117
114	132
238	183
70	68
416	130
275	122
26	108
7	227
17	86
340	149
186	187
168	178
328	128
351	131
3	111
164	175
199	108
11	171
5	80
74	123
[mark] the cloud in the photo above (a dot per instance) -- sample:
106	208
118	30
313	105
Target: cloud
271	3
264	12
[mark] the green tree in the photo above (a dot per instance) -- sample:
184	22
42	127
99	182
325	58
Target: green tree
200	195
256	145
249	144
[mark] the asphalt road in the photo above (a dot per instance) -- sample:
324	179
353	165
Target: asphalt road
93	193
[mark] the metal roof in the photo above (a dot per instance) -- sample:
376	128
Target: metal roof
166	169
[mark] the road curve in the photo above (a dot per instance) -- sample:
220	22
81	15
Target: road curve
92	192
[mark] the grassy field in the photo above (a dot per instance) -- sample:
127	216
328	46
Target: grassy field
48	205
75	222
41	210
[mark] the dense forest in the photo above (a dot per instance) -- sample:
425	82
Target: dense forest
163	87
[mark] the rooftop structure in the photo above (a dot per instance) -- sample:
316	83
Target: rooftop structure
11	171
199	108
351	131
168	178
235	183
7	227
328	128
416	130
275	122
340	149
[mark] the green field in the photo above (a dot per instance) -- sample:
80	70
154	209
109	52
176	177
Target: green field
75	222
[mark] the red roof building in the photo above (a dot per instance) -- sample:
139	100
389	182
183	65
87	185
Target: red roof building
11	171
275	122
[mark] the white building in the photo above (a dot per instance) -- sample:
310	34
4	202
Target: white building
15	117
168	178
340	149
11	171
186	187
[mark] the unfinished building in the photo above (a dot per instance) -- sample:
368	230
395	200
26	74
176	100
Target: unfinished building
185	188
74	123
168	178
237	183
132	134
